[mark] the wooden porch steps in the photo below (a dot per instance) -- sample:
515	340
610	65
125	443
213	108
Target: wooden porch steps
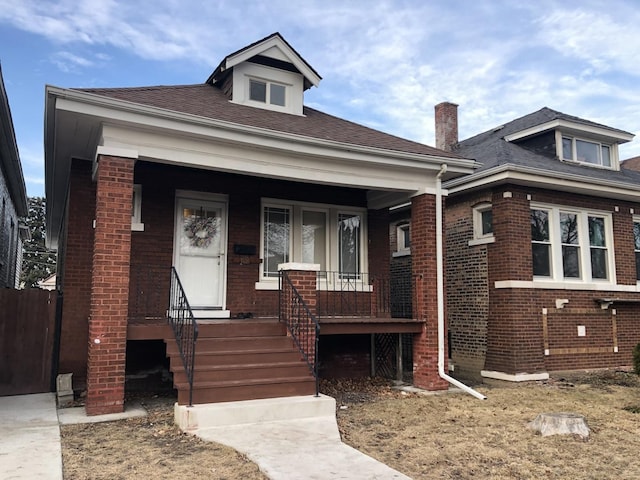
242	360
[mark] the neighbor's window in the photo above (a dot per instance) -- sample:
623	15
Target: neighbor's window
571	245
267	92
636	237
403	238
584	151
483	221
312	233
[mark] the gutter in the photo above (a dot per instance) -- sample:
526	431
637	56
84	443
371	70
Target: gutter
440	291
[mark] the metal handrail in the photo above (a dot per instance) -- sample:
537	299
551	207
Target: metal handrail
185	328
300	322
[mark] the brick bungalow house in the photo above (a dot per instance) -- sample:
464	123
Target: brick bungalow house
13	198
542	270
202	194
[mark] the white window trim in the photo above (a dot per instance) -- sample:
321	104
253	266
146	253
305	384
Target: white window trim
136	218
295	246
613	151
585	247
480	238
401	250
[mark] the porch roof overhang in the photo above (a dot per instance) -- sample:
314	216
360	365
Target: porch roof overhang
544	179
81	125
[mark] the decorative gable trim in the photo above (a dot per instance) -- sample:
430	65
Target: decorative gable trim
273	46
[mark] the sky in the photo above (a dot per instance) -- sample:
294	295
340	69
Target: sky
384	64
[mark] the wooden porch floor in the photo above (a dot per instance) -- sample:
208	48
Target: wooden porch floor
158	329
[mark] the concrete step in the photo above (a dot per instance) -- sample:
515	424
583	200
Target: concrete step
253	411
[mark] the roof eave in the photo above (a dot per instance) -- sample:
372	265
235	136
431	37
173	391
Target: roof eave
540	178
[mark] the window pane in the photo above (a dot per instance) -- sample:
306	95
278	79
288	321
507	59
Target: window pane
277	228
636	234
541	260
606	156
569	228
587	152
257	91
596	232
314	237
277	95
571	262
487	222
539	225
598	263
567	148
349	243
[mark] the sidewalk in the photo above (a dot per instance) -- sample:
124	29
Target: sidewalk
30	439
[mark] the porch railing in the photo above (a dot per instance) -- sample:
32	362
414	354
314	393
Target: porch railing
185	328
362	295
301	324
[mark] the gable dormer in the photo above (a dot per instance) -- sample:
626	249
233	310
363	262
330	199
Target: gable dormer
268	74
571	139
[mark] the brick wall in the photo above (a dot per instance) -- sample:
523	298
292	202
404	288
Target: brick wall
110	286
516	335
76	257
467	274
400	269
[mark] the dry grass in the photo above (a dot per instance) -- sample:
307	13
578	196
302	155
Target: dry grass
150	447
450	436
458	437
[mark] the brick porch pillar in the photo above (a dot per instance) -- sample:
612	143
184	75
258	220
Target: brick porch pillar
110	286
303	277
425	305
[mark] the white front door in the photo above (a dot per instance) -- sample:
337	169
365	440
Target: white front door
200	243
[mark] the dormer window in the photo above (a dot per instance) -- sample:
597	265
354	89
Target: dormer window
267	92
584	151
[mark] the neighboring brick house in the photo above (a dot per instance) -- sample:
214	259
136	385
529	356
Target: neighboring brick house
13	198
542	269
227	181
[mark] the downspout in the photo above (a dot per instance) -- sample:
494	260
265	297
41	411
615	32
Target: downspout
440	291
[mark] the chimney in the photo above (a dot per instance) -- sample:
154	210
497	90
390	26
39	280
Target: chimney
446	126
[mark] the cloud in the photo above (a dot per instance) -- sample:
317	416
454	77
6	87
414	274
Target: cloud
69	62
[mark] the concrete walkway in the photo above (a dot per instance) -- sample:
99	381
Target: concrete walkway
289	438
30	438
306	445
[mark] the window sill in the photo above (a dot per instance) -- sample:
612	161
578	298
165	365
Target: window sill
137	227
551	285
482	241
401	253
267	284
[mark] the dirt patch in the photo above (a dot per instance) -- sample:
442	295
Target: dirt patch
456	436
150	447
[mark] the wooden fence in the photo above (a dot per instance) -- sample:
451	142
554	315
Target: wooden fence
27	330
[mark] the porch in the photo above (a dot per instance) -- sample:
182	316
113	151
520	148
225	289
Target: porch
251	357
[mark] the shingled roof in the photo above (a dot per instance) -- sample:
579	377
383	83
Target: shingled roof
204	100
492	150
